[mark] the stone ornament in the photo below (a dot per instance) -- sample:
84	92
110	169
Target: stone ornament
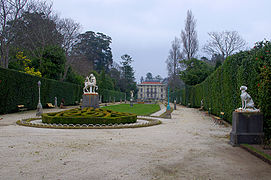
90	85
247	102
132	94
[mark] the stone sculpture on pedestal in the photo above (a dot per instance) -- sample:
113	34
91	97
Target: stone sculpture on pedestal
132	98
247	122
90	96
247	102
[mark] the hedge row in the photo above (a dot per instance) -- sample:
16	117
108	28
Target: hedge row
18	88
109	95
88	116
221	90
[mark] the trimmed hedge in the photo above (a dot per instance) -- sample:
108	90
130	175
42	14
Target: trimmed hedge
221	90
20	88
109	95
88	116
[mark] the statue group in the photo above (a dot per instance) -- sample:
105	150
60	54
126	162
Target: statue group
90	96
90	85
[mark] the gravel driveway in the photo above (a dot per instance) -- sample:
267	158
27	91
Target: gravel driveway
189	146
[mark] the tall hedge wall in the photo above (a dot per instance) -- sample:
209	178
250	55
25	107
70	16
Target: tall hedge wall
19	88
221	90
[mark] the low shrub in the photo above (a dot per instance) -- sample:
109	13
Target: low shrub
88	116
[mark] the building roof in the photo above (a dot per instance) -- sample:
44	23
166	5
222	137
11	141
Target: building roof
143	83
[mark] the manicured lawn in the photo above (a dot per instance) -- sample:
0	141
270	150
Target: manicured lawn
139	109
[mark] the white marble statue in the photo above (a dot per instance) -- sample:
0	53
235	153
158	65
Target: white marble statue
132	94
90	85
247	102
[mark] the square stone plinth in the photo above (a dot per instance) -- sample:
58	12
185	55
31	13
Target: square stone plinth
247	128
90	100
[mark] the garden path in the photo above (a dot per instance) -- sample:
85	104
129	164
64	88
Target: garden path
188	146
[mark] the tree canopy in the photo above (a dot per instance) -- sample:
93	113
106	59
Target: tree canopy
96	47
196	71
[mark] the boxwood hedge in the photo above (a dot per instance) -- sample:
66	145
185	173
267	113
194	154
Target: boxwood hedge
221	90
20	88
88	116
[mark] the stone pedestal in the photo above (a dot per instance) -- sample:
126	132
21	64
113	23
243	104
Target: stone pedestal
131	103
90	100
247	128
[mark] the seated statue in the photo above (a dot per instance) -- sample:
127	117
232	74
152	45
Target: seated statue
247	102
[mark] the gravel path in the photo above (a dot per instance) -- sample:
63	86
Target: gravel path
189	146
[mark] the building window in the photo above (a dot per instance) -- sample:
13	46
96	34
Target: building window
161	95
141	89
161	89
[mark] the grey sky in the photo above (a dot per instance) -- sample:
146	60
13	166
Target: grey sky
144	29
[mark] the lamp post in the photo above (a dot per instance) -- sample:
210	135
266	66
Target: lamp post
168	106
39	106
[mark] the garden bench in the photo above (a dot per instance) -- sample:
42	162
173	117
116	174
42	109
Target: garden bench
218	120
50	105
21	107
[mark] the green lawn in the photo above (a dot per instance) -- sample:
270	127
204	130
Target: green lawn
138	109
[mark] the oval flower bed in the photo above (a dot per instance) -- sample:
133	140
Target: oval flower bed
88	116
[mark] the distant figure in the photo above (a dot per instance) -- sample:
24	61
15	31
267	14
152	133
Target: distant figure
55	102
62	103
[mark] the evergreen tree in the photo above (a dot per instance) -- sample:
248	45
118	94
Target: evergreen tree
128	79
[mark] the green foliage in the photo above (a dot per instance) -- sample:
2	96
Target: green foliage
19	88
23	64
109	95
73	77
53	62
88	116
96	47
127	77
221	90
196	71
138	109
33	32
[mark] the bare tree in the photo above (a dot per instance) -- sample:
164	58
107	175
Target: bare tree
224	43
69	29
189	36
42	6
173	65
10	11
36	29
174	57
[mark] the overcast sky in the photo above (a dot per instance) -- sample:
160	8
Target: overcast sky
144	29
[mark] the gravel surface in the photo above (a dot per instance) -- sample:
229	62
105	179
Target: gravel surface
188	146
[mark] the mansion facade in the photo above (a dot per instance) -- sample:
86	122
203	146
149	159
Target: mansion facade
151	91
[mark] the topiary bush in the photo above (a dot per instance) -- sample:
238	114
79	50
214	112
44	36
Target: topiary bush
88	116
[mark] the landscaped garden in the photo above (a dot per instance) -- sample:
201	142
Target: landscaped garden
138	109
